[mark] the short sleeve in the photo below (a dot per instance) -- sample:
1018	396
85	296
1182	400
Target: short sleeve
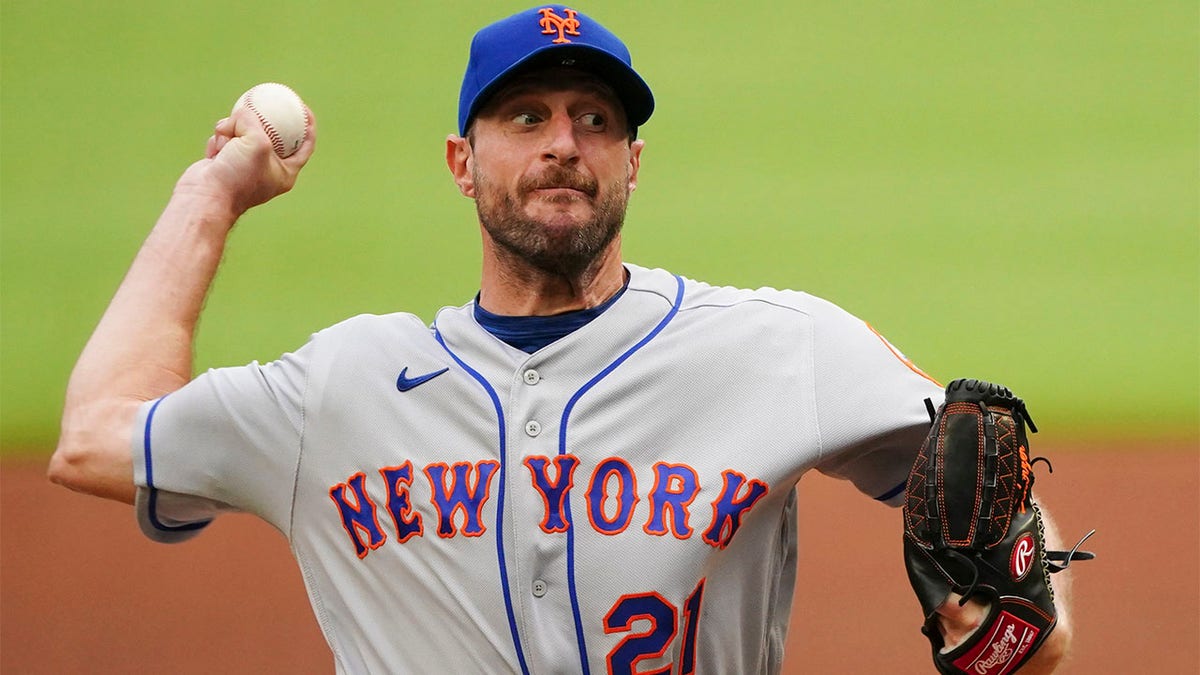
227	441
870	405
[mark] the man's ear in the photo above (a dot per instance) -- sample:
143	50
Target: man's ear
635	162
459	160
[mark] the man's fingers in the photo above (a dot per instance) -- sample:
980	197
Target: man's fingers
240	161
300	157
244	124
240	122
957	622
224	127
222	132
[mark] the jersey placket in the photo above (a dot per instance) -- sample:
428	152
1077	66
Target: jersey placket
537	556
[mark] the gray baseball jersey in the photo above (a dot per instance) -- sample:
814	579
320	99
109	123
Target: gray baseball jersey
619	501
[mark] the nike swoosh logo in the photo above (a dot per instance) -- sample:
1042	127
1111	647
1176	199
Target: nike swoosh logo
404	383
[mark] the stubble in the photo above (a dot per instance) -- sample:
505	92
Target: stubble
551	247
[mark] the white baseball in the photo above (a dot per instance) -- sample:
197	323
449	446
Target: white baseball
281	113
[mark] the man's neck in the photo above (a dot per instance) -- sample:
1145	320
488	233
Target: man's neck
512	287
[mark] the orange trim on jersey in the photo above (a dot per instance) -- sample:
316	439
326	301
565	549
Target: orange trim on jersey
357	484
399	501
903	359
440	494
659	510
559	510
613	626
596	507
725	524
691	627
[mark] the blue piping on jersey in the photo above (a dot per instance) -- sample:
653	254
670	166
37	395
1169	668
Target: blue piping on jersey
152	507
562	450
508	605
893	492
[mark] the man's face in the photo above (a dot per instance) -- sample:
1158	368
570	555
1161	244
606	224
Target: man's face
552	168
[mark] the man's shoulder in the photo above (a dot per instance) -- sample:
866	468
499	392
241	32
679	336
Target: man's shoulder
366	326
698	294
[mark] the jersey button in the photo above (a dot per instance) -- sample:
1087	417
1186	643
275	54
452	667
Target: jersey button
533	428
539	588
531	377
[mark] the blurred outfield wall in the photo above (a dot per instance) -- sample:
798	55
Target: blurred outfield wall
1005	190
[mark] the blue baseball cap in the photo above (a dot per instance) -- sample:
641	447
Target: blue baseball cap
549	35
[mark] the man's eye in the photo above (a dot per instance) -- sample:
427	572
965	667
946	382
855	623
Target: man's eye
525	118
595	120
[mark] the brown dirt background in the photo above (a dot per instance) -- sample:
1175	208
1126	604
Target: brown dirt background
81	591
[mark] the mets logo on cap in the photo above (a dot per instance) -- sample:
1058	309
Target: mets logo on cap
546	35
552	23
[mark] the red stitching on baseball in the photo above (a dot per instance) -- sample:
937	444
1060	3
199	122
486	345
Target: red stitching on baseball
272	134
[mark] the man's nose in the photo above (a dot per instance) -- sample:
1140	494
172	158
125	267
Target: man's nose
561	145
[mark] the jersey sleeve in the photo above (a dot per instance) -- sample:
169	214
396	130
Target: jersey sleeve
870	398
227	441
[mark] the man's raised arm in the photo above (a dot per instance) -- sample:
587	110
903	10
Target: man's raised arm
142	347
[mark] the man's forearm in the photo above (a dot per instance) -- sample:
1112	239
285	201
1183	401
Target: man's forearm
142	347
1055	649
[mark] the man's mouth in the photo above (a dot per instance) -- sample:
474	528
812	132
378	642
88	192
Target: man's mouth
562	191
562	184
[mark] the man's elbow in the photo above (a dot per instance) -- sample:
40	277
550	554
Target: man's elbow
69	467
94	463
61	470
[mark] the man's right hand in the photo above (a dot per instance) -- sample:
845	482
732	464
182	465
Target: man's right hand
240	169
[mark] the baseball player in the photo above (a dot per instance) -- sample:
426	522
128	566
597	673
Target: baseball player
588	467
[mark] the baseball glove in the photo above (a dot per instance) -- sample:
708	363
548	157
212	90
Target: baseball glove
972	528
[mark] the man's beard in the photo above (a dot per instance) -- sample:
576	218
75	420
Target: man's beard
559	251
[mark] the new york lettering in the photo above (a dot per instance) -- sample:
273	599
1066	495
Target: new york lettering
610	500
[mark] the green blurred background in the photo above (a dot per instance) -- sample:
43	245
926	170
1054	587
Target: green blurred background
1007	190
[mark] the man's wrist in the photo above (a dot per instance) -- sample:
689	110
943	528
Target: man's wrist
209	210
